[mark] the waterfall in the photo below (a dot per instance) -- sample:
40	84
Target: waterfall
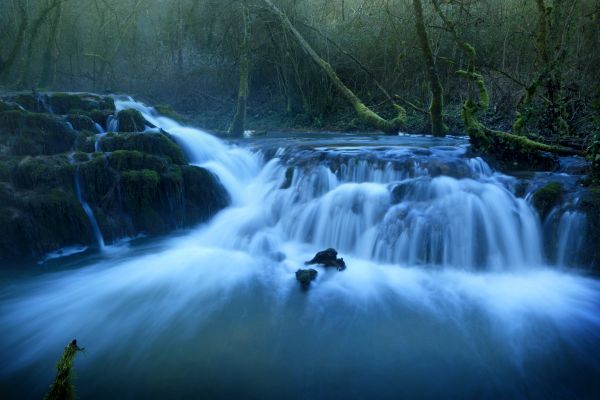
88	212
571	233
101	132
388	204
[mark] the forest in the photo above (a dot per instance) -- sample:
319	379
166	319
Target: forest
538	59
300	199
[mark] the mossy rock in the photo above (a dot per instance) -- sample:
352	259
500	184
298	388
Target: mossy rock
29	133
101	117
43	172
31	102
56	219
65	103
150	142
126	160
81	122
86	141
548	197
131	120
98	179
80	157
204	194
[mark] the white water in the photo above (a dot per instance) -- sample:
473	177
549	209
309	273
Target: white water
445	284
88	212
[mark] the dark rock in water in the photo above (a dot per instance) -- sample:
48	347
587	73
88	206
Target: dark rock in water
305	277
546	198
289	176
328	258
131	120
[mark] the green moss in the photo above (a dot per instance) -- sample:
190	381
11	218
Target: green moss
29	102
66	103
548	197
27	133
204	194
62	388
101	117
167	111
131	120
152	143
86	141
139	190
54	219
81	122
81	156
124	160
43	172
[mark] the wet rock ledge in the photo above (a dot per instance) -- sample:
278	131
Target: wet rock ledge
58	154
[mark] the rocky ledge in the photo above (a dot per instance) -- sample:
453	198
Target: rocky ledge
63	178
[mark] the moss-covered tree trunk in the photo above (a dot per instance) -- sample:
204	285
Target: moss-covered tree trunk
553	26
7	63
436	107
503	146
238	125
62	388
390	126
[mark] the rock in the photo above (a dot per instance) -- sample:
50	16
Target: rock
289	176
149	142
548	197
328	258
81	122
138	183
131	120
27	133
66	103
305	277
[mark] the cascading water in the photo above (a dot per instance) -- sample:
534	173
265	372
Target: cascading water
88	212
445	281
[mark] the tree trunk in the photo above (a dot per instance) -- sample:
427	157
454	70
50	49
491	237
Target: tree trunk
437	96
25	78
502	146
390	126
49	59
238	124
6	65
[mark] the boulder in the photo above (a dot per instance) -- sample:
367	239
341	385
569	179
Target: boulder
131	120
305	277
548	197
328	258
